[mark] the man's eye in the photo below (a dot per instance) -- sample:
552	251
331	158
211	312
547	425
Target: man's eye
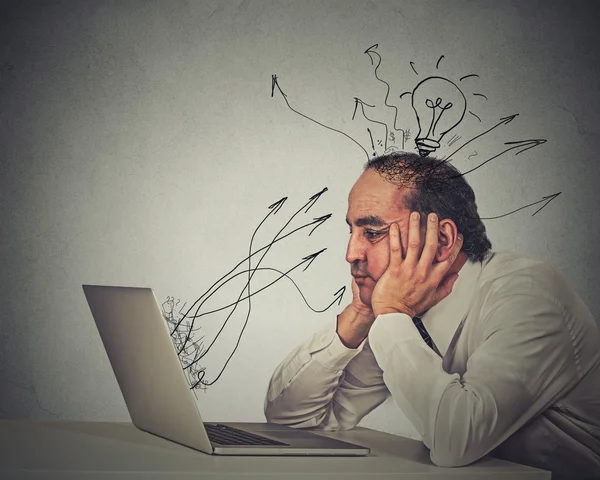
374	234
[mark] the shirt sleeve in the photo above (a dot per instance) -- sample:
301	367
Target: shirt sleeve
523	364
324	384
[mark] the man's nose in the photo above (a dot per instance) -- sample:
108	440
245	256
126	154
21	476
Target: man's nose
355	251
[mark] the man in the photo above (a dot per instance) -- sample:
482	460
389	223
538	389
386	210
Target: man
505	361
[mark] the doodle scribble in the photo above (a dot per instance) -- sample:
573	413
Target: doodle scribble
184	323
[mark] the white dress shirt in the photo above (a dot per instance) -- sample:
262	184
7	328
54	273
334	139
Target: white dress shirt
515	371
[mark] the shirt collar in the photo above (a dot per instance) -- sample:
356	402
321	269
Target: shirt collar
442	320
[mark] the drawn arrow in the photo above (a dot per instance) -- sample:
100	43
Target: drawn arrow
527	144
277	205
358	102
339	295
338	298
319	221
275	84
273	209
503	121
309	258
372	53
311	201
547	199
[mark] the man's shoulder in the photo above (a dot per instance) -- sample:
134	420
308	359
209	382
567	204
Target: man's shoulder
509	271
508	263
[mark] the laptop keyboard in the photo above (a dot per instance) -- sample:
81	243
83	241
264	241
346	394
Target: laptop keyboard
226	435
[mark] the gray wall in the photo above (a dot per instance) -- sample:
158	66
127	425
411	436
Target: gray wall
141	146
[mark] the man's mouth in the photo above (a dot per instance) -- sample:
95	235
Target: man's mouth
360	279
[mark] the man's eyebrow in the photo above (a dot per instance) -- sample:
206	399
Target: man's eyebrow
369	220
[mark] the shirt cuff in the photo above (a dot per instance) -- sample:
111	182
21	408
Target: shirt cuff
392	328
329	351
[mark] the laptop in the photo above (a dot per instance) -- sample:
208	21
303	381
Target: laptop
157	393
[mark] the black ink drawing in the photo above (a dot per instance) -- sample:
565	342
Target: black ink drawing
440	107
184	322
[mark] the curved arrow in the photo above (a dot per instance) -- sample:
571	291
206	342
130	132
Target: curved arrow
503	121
371	52
308	258
357	102
338	295
547	199
275	207
515	145
275	84
311	201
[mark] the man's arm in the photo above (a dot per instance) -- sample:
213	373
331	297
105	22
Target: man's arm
324	383
524	365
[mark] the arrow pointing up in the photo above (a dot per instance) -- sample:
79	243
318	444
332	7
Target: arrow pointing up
312	200
311	258
547	199
319	221
277	205
371	51
339	294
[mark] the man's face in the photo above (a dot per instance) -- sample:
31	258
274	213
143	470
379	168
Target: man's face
373	205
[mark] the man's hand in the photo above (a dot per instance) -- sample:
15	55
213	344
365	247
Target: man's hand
354	322
414	284
357	303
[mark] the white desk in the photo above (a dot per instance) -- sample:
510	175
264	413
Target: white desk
95	450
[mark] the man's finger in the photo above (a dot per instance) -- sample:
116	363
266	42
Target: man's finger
431	241
414	239
395	245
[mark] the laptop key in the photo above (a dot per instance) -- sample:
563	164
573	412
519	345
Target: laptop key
226	435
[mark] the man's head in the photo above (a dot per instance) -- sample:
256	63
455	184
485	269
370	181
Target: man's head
390	188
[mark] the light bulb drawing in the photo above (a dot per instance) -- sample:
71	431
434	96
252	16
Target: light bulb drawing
439	106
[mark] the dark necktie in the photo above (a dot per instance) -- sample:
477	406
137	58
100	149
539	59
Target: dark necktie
421	328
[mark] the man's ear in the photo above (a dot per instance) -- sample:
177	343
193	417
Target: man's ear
447	238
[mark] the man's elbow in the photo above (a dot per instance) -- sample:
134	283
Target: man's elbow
446	456
274	414
285	416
